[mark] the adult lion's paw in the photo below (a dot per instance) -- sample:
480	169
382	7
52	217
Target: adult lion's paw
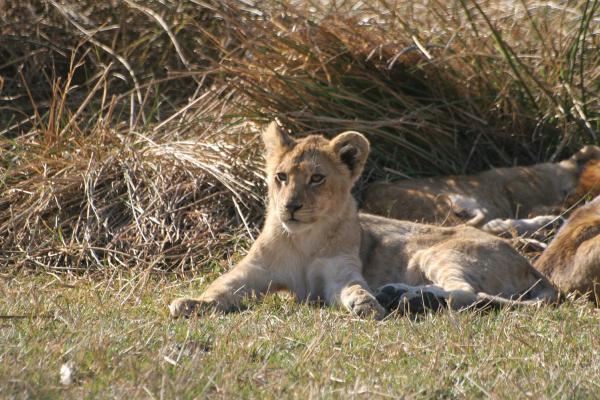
365	305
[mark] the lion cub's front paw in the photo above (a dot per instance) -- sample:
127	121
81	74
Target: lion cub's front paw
185	307
365	305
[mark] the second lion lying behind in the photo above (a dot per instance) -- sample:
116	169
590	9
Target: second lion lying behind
489	200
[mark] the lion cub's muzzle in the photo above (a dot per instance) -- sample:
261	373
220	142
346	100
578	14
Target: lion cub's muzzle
291	211
296	217
292	207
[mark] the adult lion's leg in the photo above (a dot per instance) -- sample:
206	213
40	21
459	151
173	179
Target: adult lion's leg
226	292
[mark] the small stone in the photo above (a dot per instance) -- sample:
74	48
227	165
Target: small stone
67	373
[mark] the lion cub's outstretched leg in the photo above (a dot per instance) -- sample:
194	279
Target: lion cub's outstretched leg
466	274
418	299
337	280
226	292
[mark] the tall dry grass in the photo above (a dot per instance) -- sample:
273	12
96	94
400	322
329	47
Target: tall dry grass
129	128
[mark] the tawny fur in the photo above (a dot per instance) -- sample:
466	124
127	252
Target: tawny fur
316	245
491	200
572	260
588	184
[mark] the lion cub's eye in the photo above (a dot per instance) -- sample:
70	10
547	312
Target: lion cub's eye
281	176
316	179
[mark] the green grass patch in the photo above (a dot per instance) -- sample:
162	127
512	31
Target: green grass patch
117	333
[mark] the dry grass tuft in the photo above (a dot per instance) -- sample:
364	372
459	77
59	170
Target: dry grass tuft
111	198
128	129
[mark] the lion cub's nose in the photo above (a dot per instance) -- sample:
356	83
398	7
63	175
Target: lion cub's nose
293	206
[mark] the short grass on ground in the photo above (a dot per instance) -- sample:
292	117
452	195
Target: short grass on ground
115	331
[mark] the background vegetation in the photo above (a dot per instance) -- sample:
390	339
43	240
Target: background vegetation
129	129
128	145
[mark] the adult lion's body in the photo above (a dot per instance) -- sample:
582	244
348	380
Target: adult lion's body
572	260
490	200
316	244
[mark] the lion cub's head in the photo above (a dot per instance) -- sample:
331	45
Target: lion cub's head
582	173
310	179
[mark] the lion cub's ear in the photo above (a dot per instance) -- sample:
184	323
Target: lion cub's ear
352	148
585	154
577	162
276	141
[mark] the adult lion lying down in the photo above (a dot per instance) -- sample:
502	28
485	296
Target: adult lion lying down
572	260
316	244
489	200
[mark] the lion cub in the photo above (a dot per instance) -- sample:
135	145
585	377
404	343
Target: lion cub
489	200
315	243
572	260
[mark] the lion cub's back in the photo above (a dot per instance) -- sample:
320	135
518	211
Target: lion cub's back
387	245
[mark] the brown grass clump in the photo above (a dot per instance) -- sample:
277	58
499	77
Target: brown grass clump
128	128
432	83
119	198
